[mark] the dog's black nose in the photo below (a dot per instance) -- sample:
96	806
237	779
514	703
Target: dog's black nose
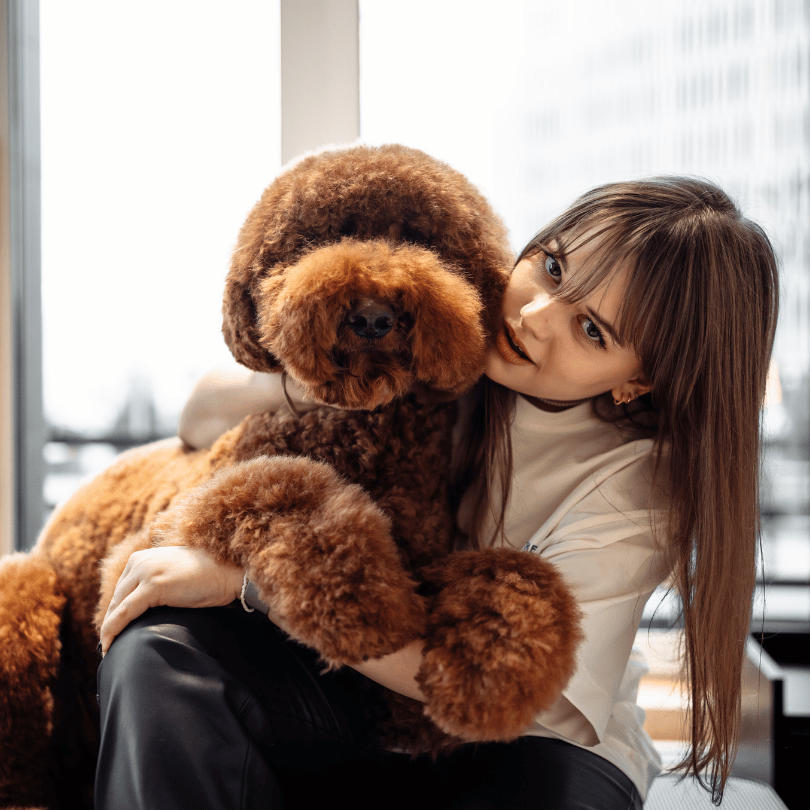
371	319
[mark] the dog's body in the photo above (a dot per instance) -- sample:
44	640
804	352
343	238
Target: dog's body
373	276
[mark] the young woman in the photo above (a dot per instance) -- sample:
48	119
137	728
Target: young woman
616	433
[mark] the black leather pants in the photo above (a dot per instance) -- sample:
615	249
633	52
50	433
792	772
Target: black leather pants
215	708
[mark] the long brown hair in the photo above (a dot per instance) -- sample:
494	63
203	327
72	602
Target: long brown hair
700	311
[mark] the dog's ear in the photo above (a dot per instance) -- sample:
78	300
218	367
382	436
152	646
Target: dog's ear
239	318
272	236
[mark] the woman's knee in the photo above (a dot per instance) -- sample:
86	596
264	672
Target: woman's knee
149	647
169	710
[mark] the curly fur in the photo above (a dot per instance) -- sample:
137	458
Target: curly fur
340	515
424	203
501	622
30	615
330	567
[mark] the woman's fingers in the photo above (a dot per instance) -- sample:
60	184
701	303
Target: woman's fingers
136	591
125	585
131	606
169	575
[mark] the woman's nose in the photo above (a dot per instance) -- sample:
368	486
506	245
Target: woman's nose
539	316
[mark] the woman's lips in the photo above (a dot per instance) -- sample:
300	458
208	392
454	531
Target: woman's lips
509	348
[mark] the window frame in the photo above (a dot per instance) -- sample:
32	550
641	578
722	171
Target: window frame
23	426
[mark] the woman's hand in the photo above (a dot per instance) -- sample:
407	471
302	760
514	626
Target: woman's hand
177	576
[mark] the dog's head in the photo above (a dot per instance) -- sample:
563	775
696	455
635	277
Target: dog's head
367	272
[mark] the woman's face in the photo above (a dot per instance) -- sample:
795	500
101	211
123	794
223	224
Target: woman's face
549	349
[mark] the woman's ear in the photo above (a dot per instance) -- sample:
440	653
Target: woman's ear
632	389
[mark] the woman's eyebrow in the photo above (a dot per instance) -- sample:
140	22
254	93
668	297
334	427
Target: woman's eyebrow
555	249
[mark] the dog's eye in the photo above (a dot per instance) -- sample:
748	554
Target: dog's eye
414	236
405	322
349	228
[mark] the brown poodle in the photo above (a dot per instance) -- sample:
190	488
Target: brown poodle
372	276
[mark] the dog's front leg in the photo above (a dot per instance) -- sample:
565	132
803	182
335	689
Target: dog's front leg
319	550
500	645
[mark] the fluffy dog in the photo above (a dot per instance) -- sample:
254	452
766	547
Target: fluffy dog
373	276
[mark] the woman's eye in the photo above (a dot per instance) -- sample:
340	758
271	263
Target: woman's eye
553	267
592	331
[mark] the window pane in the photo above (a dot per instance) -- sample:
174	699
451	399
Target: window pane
160	128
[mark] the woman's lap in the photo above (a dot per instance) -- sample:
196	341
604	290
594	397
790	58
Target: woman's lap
215	708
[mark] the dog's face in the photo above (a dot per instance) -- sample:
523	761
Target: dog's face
365	273
359	323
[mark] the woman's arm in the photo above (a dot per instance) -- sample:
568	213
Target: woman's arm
221	399
224	397
176	576
396	671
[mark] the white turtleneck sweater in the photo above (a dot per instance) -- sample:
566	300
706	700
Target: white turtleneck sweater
581	497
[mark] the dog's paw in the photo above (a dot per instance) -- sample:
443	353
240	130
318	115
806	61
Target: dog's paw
501	641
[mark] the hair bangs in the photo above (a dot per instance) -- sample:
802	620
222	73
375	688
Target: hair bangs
648	229
613	242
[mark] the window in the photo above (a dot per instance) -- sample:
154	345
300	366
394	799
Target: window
160	129
483	99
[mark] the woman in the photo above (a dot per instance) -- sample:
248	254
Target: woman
616	433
